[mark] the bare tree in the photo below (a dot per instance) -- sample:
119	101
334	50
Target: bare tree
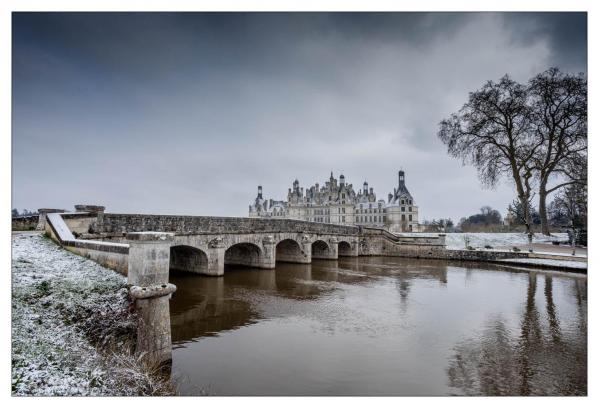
559	117
492	131
572	202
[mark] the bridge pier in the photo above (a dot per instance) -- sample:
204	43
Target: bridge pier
216	257
149	261
268	259
306	247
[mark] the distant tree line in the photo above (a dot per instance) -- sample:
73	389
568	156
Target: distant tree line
567	209
440	225
535	134
25	212
487	220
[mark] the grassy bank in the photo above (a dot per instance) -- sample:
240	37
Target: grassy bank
73	327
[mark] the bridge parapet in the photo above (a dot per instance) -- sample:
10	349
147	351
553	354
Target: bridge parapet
183	224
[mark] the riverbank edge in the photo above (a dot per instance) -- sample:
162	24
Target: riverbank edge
113	345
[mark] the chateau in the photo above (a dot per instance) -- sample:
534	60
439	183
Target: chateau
337	202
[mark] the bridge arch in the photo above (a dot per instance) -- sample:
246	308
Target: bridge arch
320	249
244	253
289	250
188	259
345	249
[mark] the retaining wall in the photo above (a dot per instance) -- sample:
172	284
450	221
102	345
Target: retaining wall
25	223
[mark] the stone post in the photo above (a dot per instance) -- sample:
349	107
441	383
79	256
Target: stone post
149	257
97	210
42	212
441	240
268	260
216	257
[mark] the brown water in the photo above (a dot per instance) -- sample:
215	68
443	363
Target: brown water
380	326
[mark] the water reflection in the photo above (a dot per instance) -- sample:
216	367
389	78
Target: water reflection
539	360
380	326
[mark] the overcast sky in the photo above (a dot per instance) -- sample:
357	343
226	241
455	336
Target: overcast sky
187	113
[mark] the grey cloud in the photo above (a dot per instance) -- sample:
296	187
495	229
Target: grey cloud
188	113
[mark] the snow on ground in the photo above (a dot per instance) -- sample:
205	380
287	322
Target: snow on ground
547	262
499	239
65	309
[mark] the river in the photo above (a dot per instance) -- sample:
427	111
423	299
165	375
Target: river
380	326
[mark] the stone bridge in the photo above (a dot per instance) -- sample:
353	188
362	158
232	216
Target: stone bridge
206	244
146	247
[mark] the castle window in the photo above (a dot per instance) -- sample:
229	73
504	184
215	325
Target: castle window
403	217
403	208
410	217
403	201
342	195
343	218
384	218
410	209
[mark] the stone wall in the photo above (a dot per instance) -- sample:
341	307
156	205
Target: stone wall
79	224
25	223
382	245
180	224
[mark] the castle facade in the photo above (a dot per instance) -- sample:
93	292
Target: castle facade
337	202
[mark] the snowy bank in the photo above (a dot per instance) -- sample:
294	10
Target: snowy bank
550	263
498	239
71	326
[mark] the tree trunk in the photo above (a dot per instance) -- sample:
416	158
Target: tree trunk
543	210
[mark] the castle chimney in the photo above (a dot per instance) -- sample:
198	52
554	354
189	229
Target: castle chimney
401	177
259	191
